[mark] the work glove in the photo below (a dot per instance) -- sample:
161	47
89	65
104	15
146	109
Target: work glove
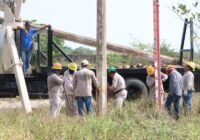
184	92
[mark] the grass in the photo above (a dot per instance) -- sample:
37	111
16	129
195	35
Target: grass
138	121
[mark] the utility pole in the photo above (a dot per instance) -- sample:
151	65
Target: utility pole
101	57
158	81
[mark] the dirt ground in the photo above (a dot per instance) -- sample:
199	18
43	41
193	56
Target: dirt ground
14	103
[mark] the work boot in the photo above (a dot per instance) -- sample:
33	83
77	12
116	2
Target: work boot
177	117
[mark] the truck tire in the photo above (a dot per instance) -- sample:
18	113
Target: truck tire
136	89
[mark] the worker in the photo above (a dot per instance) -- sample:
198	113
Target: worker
118	87
55	89
150	81
82	84
26	44
188	86
175	90
71	107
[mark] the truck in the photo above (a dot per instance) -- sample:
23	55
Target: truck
36	82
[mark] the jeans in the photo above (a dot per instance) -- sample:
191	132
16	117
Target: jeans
26	57
80	103
187	100
175	99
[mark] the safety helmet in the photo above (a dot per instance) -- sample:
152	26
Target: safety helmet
57	66
192	65
112	69
85	62
150	70
169	67
72	66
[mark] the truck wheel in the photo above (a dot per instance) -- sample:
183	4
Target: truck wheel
136	88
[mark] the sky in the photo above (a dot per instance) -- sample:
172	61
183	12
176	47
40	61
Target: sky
128	21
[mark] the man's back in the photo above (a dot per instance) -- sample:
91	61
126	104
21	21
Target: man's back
175	83
82	82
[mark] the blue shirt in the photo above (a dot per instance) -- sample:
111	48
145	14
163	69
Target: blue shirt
175	83
26	38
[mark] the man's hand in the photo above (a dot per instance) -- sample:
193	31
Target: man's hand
98	90
184	92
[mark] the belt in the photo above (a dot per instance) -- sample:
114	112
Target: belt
119	90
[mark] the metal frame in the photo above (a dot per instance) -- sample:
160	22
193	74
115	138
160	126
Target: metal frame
191	50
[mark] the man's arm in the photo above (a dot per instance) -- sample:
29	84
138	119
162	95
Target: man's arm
43	28
22	28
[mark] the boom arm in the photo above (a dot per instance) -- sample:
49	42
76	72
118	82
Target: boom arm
11	9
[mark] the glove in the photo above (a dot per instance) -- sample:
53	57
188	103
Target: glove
184	92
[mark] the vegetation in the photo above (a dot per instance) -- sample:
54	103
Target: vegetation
138	120
190	10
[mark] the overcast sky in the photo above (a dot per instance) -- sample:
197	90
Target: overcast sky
127	20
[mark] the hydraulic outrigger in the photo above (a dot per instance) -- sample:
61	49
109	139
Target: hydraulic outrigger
9	58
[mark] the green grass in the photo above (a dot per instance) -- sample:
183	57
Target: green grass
139	120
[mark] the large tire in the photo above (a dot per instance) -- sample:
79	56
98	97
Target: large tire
136	88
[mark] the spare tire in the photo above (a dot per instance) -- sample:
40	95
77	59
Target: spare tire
136	88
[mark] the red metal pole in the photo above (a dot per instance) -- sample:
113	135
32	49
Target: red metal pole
157	53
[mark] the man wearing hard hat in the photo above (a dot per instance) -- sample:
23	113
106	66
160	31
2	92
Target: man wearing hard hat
150	80
55	89
175	90
71	107
188	86
118	87
82	84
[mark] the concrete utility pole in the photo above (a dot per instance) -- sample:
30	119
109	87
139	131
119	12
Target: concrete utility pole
101	57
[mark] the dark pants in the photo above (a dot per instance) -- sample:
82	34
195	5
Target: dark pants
187	101
80	103
175	99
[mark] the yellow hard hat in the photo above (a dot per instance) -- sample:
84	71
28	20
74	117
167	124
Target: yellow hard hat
150	70
57	66
169	66
192	65
72	66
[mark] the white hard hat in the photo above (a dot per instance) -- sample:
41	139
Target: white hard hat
85	63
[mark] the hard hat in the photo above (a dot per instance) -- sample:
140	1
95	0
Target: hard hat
57	66
150	70
72	66
192	65
85	63
170	66
112	69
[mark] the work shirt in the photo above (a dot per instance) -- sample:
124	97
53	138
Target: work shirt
55	84
118	83
150	81
26	38
188	81
175	83
82	82
68	78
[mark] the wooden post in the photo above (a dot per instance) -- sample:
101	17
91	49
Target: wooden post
101	57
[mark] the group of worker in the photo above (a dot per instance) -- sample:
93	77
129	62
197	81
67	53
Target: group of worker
78	85
178	86
77	88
